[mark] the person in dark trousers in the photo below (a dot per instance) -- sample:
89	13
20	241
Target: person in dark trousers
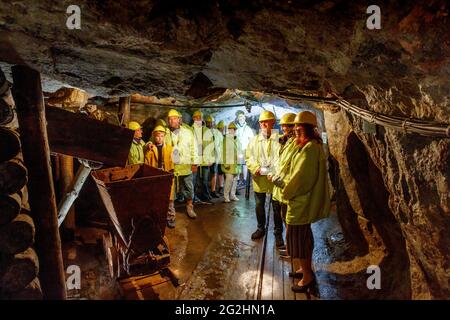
261	156
281	168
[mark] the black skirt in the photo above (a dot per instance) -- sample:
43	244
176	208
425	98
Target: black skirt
300	241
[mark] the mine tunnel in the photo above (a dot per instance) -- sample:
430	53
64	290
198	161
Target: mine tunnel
102	102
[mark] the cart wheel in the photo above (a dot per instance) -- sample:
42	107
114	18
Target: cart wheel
111	254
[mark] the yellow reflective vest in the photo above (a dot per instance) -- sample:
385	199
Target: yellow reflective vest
231	149
306	185
282	167
184	149
204	140
136	155
262	152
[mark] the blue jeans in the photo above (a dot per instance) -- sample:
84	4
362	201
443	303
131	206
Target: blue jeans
185	185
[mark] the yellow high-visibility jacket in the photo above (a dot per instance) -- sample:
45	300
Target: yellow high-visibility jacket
282	167
184	149
306	186
231	148
204	140
136	155
151	159
262	152
218	144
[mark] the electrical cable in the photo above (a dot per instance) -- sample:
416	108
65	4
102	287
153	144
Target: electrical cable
407	125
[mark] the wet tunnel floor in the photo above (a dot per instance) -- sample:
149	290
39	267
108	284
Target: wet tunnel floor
214	258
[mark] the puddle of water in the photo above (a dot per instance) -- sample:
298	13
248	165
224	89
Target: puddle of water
213	274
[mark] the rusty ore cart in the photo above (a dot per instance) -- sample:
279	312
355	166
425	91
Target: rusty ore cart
136	198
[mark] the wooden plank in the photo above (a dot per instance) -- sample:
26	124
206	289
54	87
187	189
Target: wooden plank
27	93
277	288
267	277
124	111
76	135
287	281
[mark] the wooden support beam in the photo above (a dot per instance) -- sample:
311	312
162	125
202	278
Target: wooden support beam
9	207
27	93
77	135
9	144
66	181
17	271
124	111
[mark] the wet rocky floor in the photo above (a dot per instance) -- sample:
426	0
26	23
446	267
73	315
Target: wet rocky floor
214	258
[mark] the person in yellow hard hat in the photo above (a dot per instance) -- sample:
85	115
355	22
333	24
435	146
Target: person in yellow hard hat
261	155
220	175
230	166
159	155
136	155
205	157
184	150
161	122
281	169
218	142
305	188
244	134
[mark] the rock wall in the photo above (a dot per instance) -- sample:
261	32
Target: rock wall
395	185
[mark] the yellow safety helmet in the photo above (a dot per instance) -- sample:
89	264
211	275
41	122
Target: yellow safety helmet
161	122
306	117
133	125
174	113
266	115
159	128
198	113
209	118
221	124
232	125
288	118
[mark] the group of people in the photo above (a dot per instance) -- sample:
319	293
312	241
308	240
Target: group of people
292	168
288	169
206	161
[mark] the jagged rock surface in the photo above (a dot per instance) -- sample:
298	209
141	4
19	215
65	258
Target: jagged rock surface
179	48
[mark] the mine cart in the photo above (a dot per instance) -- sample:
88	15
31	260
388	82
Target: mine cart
136	198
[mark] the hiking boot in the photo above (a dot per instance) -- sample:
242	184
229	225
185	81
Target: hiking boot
215	195
234	199
190	211
258	234
279	241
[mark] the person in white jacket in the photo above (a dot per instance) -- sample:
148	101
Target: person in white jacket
244	134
